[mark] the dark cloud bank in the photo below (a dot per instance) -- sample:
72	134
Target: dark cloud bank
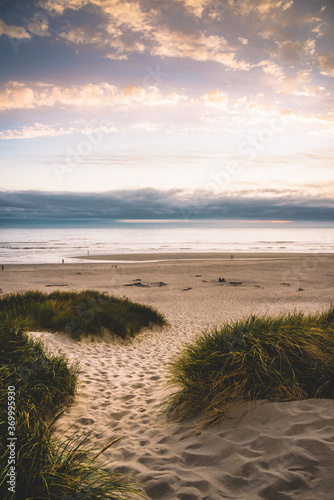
31	207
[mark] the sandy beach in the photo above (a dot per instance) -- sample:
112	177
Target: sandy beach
272	451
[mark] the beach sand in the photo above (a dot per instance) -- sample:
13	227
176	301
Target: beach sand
264	450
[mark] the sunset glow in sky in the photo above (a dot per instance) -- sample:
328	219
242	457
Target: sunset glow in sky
188	99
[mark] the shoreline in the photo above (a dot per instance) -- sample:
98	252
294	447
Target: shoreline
162	256
152	257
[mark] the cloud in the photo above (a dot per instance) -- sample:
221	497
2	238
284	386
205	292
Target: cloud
172	204
117	11
151	97
113	39
326	64
216	99
86	95
197	47
35	131
57	7
133	29
143	22
83	34
196	7
295	85
263	8
310	91
271	68
16	32
39	25
294	51
244	41
290	30
147	126
287	5
17	95
200	30
218	10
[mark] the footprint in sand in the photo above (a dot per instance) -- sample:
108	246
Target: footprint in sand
85	421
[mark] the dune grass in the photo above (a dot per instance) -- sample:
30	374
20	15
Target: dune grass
46	470
283	358
45	383
86	312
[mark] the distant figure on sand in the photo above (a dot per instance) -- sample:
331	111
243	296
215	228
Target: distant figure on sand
2	268
87	252
62	261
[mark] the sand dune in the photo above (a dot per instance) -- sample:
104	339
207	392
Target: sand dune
263	450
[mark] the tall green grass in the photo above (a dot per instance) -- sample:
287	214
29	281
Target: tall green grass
45	383
88	311
289	357
46	470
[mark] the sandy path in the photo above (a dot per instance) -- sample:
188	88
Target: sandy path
276	451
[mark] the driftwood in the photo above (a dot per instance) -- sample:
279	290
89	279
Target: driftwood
137	283
56	285
146	285
223	280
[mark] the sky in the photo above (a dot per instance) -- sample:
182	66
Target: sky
159	109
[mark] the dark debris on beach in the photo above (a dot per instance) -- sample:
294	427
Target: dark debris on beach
146	285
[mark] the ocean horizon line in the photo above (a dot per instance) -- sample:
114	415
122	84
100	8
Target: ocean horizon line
91	223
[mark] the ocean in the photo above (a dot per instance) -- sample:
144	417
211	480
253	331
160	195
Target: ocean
51	245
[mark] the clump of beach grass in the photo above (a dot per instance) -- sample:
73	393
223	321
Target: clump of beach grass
283	358
86	312
45	469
